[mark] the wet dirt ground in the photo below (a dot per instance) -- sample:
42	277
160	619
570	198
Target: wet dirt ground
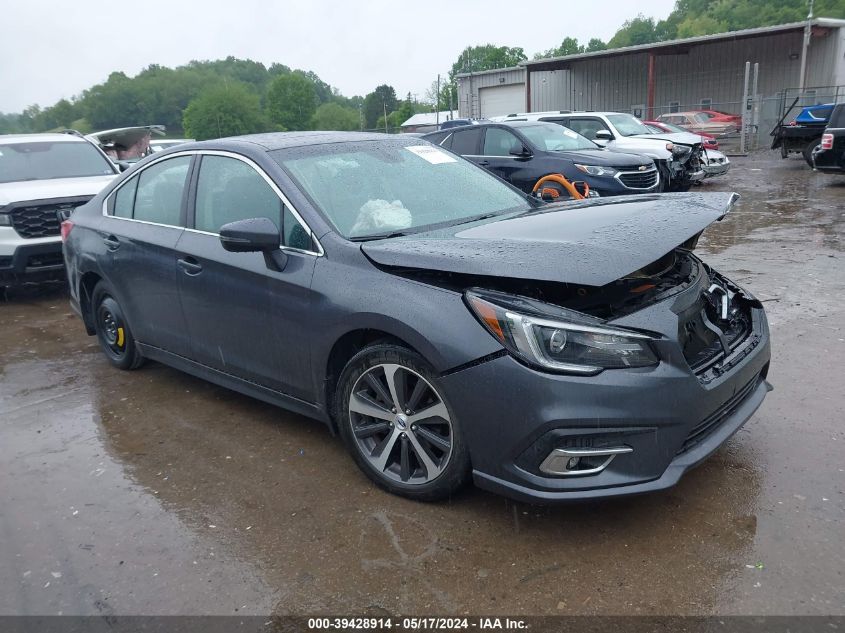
152	492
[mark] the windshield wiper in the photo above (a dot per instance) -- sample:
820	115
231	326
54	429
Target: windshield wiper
378	236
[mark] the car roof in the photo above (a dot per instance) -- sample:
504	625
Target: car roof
283	140
8	139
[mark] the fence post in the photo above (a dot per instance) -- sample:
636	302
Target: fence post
755	107
744	129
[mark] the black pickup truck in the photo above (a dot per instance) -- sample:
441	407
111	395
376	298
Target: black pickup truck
803	134
830	156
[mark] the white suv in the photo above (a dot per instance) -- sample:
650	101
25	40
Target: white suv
43	177
679	161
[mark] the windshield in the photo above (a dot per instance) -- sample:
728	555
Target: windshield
701	117
372	188
556	138
627	125
44	160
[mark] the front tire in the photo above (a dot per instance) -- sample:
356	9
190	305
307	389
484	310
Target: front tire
396	423
113	331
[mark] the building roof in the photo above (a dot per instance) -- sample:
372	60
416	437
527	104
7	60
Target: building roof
537	64
492	70
430	118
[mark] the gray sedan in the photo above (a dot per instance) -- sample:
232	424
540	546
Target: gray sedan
448	326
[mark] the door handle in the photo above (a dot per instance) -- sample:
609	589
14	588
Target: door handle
189	265
484	163
111	242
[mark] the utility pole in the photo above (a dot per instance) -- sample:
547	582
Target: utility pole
384	107
808	31
437	103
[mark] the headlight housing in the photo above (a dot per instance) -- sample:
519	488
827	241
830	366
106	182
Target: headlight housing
556	339
5	219
595	170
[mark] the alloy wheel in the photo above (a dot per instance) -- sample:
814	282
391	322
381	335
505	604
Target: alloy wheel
400	424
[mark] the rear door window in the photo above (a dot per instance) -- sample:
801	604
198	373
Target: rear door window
466	142
159	192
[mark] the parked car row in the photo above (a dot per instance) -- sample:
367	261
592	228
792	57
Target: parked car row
614	153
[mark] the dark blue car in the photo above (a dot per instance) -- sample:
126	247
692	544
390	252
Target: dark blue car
522	152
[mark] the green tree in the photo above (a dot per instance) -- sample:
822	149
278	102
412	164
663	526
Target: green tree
486	57
291	101
381	100
595	44
569	46
333	116
224	110
640	30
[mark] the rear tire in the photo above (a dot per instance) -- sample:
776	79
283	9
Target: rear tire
396	423
808	152
113	331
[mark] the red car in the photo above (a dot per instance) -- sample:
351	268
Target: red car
722	117
708	141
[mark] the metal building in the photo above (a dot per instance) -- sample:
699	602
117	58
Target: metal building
704	72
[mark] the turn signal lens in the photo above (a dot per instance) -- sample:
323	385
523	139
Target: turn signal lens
67	226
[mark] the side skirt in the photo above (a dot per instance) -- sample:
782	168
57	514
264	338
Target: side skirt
234	383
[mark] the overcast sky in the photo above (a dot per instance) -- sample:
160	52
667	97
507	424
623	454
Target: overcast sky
54	49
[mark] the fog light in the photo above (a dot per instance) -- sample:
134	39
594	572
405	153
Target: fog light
581	461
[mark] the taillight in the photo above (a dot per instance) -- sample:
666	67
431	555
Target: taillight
827	141
67	226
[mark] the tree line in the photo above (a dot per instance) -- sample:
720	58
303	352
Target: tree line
209	99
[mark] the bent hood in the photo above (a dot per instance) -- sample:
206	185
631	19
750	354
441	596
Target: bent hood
679	138
48	189
590	242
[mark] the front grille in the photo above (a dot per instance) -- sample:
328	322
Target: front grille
42	220
703	429
639	179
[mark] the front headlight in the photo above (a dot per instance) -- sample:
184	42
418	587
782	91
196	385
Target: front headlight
595	170
5	219
573	343
681	150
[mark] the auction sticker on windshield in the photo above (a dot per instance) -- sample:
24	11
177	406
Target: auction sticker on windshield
431	154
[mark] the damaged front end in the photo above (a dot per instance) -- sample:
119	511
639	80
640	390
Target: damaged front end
716	319
687	165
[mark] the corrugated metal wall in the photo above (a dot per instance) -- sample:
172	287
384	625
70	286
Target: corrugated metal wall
713	71
468	101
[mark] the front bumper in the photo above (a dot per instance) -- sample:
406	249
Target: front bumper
514	417
716	167
29	260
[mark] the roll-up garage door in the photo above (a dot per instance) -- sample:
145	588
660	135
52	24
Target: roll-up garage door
501	100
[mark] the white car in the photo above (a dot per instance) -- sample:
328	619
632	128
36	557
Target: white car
677	158
43	177
715	163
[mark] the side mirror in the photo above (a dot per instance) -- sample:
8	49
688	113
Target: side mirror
604	135
255	235
521	151
122	165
